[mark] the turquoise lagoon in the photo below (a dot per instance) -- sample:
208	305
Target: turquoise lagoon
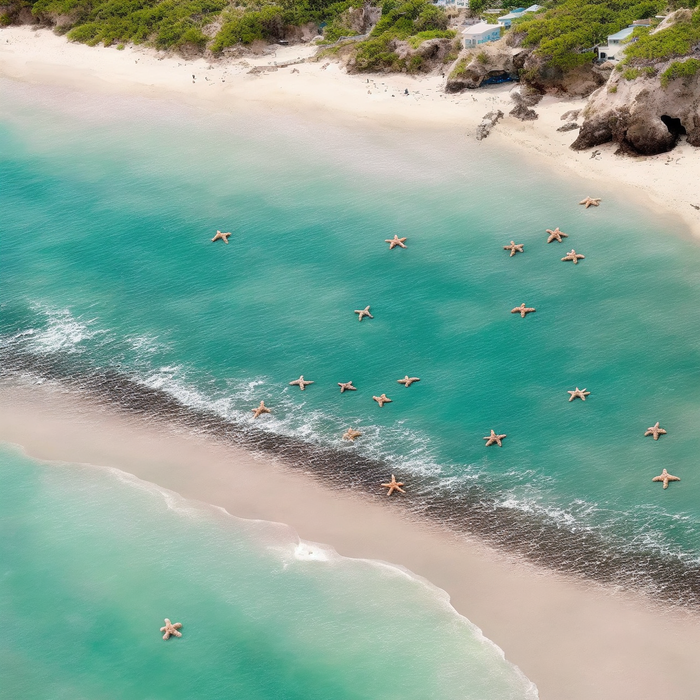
108	271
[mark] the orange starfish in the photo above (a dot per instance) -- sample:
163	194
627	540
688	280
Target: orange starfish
393	485
222	236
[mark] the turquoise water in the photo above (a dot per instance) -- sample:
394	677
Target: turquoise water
92	561
108	211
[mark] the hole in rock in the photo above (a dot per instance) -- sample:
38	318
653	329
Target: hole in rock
673	125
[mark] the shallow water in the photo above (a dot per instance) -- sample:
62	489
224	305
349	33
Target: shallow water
92	560
108	271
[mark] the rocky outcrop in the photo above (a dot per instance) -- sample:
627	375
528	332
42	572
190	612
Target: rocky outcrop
487	123
642	116
525	99
493	61
577	82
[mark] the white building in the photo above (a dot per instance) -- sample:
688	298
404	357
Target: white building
481	33
452	3
517	13
615	48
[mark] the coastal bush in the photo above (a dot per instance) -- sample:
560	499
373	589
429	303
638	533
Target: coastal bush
680	69
567	33
406	20
166	24
676	40
416	40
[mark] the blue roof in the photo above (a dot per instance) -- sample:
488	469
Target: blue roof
622	34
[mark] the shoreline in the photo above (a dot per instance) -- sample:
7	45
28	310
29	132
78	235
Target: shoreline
574	640
323	91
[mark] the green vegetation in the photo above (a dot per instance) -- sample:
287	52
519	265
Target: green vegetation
676	40
566	34
416	40
680	69
612	88
401	20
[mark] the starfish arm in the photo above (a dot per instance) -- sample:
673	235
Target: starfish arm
162	629
673	478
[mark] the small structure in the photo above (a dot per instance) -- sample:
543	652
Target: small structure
221	235
506	20
578	394
655	431
591	202
301	383
351	434
452	3
494	439
171	628
573	256
381	400
346	386
480	33
514	248
262	408
395	241
364	312
393	485
665	477
407	381
556	235
615	48
522	310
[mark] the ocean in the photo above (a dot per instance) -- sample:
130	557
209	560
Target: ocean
112	286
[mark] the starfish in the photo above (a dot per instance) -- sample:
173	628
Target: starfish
578	394
301	383
514	248
381	400
262	408
171	629
364	312
351	434
493	438
393	485
590	201
522	310
573	256
222	236
407	381
346	386
655	431
395	241
556	235
665	477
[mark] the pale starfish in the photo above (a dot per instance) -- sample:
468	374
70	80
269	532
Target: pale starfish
665	477
407	381
393	485
590	201
522	310
395	241
381	400
262	408
494	439
573	256
222	236
364	312
655	431
556	235
346	386
514	248
171	628
301	383
578	394
351	434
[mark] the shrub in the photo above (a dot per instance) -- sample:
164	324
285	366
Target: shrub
566	34
416	40
612	88
676	40
680	69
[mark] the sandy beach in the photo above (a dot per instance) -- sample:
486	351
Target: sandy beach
322	90
574	640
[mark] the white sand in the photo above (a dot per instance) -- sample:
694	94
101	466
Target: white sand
323	90
575	642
